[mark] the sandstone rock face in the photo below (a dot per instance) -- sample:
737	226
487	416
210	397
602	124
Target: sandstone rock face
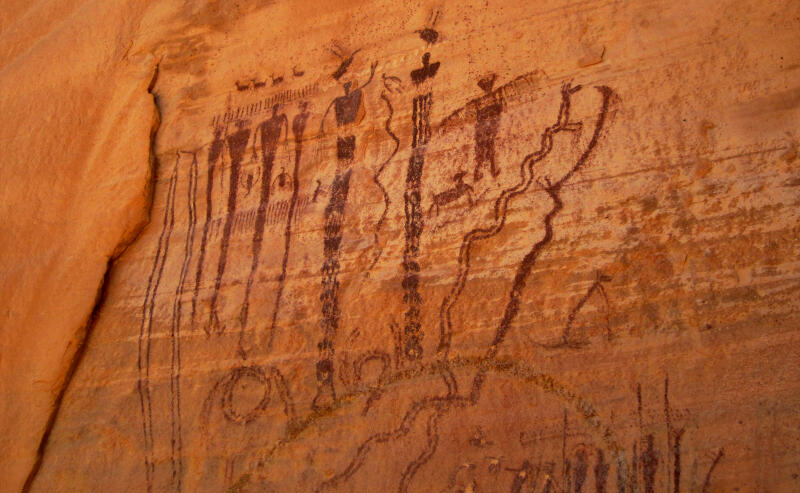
74	188
402	246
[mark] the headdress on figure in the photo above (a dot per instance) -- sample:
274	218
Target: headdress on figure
487	83
346	62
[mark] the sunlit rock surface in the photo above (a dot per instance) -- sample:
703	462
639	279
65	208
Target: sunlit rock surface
400	246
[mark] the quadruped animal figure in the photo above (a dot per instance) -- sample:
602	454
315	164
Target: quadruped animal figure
452	194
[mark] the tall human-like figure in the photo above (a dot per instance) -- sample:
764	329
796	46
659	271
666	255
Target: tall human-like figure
216	153
421	135
298	129
347	109
269	131
488	110
236	143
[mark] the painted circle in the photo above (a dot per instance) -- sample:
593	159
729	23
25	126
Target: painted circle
246	394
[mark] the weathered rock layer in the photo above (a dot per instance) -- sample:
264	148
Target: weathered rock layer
393	246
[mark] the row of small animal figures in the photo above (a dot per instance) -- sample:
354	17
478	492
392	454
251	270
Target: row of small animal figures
253	84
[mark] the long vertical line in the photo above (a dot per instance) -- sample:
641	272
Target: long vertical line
638	443
161	270
195	166
173	376
145	331
564	468
600	472
175	364
676	457
668	420
216	151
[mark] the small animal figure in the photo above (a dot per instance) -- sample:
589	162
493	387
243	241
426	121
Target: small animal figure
242	87
317	191
453	194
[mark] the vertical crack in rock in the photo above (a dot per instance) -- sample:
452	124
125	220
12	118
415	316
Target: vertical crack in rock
83	335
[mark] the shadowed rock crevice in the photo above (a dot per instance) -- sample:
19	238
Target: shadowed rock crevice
82	336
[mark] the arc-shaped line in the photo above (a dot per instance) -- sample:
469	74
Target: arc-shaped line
432	433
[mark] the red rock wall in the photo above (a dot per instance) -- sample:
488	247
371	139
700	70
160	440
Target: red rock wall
393	246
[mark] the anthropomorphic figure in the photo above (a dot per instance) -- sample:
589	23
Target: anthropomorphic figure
236	144
488	111
421	135
269	132
298	130
216	153
348	110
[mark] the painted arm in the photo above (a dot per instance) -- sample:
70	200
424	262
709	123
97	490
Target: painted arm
371	74
324	115
286	140
222	152
255	139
